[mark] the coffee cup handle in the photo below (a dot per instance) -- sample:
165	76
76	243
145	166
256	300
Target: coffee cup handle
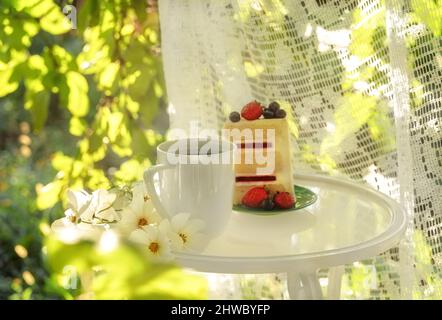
150	187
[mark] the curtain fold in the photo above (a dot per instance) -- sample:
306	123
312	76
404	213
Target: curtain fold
362	81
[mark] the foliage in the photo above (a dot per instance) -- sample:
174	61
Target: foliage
23	167
94	97
106	77
105	273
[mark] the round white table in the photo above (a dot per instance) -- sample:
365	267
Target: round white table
349	222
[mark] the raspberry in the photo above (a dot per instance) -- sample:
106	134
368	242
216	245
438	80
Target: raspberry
283	200
251	111
254	197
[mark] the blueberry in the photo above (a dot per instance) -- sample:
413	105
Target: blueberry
234	116
268	114
274	106
268	204
280	113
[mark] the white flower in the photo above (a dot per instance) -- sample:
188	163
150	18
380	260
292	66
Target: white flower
154	240
139	213
100	207
69	232
122	200
78	203
184	232
102	201
91	208
70	217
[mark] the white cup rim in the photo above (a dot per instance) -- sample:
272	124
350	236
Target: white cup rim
227	146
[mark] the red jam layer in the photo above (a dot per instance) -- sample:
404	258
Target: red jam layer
255	178
254	145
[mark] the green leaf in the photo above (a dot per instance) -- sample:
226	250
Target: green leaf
30	27
74	94
149	107
354	111
35	8
77	126
143	77
62	162
145	279
429	12
107	78
60	255
63	59
36	67
131	170
363	31
48	195
115	123
37	102
381	128
55	22
11	73
132	105
7	85
140	146
140	9
86	15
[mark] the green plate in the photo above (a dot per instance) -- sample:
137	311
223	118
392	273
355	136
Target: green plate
304	198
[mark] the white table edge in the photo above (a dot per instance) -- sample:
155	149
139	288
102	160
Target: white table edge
308	261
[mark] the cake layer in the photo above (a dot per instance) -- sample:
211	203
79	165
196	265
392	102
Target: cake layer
254	145
262	144
248	161
279	125
245	179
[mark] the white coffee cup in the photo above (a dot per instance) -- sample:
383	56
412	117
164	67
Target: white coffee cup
194	176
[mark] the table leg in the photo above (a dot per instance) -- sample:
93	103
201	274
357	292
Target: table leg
334	282
310	283
294	286
304	286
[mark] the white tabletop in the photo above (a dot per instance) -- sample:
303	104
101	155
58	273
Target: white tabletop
348	222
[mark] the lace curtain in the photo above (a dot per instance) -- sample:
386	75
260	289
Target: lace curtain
363	81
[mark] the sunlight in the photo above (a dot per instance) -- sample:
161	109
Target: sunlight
108	242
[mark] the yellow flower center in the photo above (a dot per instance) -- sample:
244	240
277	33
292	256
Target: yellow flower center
72	219
146	198
183	237
142	222
154	247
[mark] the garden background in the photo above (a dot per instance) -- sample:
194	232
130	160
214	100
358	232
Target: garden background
83	106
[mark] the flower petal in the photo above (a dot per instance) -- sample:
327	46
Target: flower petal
152	231
138	194
140	236
128	221
194	225
197	242
180	220
78	200
108	215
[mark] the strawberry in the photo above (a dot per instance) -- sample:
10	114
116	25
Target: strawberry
283	200
251	111
254	197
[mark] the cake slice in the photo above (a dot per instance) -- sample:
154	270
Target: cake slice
263	154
